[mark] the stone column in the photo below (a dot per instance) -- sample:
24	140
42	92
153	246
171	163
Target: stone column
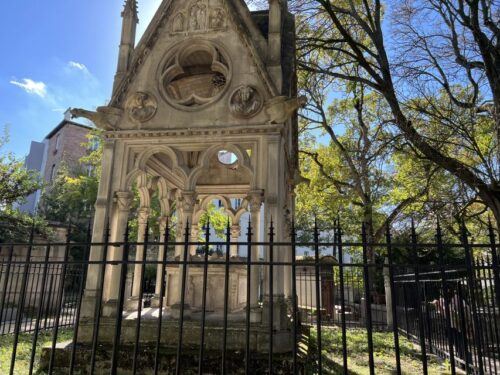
142	218
118	225
255	212
186	202
287	257
235	235
159	269
102	208
195	231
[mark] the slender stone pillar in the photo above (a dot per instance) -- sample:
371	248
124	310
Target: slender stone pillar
142	217
186	202
159	269
255	212
102	212
195	231
119	222
235	235
287	258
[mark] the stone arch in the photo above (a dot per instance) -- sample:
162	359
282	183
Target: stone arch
177	161
144	190
235	215
243	161
164	196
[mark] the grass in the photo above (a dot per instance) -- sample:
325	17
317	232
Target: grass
357	347
384	353
24	350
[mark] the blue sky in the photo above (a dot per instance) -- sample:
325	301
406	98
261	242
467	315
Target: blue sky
57	54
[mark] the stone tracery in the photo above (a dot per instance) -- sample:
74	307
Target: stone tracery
195	75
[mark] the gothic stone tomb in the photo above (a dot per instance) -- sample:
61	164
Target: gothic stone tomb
204	107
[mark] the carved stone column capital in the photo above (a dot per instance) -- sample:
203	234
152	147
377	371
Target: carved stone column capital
187	201
163	221
235	231
255	199
124	200
143	215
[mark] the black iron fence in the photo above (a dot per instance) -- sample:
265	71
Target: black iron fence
170	305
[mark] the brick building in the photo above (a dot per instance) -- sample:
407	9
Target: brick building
63	145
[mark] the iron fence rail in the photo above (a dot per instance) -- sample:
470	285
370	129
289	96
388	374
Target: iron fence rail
448	307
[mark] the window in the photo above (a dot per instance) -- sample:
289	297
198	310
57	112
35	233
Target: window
53	172
227	157
58	143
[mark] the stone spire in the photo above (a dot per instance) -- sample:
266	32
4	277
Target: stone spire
276	13
130	9
127	44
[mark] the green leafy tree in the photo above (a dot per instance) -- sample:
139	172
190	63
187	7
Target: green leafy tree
412	53
73	192
16	183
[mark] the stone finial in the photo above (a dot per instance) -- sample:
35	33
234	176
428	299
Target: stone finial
130	9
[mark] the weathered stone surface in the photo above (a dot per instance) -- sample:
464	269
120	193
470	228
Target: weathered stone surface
208	78
282	364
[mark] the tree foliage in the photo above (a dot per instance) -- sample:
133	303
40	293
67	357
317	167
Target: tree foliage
16	182
434	65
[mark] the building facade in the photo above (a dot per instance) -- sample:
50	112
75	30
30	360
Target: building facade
64	145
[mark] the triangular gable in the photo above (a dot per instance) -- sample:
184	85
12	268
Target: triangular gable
241	18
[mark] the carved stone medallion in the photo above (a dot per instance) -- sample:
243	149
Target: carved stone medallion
141	106
245	102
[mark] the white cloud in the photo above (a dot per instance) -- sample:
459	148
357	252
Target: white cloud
31	87
77	65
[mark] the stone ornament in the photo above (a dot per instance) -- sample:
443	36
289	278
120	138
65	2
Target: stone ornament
141	107
178	23
281	108
124	200
199	16
217	19
105	118
196	74
245	102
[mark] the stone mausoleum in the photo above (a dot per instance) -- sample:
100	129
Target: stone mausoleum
204	107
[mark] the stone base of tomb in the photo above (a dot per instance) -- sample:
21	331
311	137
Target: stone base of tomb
236	340
282	363
214	332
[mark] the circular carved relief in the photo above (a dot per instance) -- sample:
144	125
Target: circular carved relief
195	75
245	102
141	106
